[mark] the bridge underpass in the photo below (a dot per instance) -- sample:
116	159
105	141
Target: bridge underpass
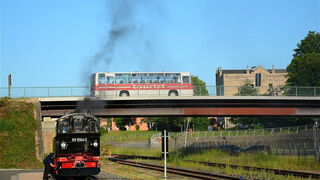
52	108
184	106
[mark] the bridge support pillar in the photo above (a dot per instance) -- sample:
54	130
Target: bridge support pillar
48	133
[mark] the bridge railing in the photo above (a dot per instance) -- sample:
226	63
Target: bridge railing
46	91
257	91
70	91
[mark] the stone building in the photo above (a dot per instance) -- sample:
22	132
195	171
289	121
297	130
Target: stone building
228	81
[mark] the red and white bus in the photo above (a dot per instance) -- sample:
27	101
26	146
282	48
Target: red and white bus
106	84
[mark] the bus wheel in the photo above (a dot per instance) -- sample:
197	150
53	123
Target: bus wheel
173	93
124	94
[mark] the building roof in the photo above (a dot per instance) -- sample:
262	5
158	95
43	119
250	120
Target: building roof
235	71
280	70
244	71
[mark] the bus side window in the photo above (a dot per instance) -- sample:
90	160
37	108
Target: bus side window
162	79
169	78
101	79
110	80
152	78
175	79
185	79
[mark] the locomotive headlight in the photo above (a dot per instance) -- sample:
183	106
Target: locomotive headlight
95	144
63	145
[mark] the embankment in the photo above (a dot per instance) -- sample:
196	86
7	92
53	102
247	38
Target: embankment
18	128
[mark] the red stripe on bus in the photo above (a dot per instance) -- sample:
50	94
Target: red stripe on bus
107	87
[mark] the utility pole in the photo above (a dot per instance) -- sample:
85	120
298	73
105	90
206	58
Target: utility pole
9	85
316	139
185	137
165	153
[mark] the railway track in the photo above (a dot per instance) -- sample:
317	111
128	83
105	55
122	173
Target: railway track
275	171
177	171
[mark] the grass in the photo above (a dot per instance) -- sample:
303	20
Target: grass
138	173
129	172
146	135
6	125
135	173
17	135
128	135
259	160
255	159
230	171
133	151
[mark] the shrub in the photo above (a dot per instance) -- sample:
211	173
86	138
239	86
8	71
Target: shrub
103	131
137	127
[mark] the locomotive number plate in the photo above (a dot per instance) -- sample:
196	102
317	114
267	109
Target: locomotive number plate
79	139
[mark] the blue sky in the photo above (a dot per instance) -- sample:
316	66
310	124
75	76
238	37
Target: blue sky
56	42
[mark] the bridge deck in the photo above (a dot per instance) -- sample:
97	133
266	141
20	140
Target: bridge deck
184	106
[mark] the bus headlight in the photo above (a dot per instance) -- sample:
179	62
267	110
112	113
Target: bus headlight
95	144
63	145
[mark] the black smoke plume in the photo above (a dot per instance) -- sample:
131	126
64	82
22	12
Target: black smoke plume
122	24
126	28
89	104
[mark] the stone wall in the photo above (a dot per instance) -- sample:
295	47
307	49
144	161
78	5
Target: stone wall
48	133
39	145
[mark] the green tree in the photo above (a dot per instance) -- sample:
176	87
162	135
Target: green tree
166	123
247	89
200	88
304	69
273	91
121	122
200	123
270	121
249	121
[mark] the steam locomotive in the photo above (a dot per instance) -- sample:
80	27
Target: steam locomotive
77	145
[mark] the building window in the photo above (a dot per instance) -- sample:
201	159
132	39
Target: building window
258	79
270	85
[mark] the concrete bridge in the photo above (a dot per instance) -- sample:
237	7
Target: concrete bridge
184	106
53	107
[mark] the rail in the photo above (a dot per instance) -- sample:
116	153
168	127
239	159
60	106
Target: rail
177	171
274	171
72	91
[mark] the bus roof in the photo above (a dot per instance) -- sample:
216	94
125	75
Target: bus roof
142	72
